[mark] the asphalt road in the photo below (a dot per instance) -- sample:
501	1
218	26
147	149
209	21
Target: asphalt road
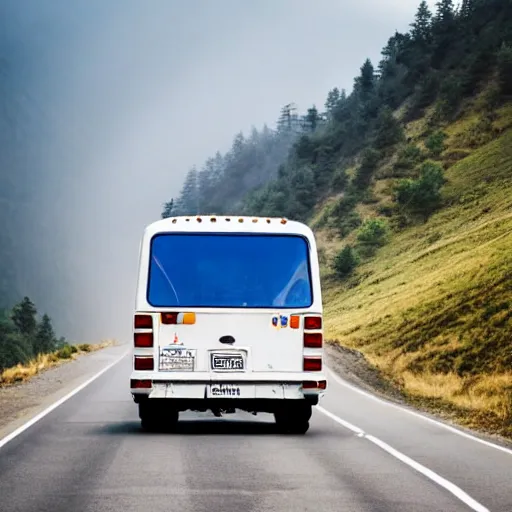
89	454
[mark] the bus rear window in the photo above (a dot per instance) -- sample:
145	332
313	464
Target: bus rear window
229	271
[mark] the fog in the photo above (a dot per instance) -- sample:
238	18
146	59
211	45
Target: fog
122	97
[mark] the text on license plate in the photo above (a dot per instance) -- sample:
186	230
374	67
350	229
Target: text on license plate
227	362
224	390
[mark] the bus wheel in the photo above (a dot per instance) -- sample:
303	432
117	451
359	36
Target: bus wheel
156	417
294	419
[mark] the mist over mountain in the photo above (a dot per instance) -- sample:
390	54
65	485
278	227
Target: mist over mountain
107	104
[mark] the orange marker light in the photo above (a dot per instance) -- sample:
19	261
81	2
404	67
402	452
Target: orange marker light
188	318
295	322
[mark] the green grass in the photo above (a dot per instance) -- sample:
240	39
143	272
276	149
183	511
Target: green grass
433	309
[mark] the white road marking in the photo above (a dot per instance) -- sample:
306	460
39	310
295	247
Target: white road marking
346	384
59	402
431	475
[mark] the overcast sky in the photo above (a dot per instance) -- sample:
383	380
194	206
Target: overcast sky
133	93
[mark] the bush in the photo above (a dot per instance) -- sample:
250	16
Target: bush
424	194
66	351
409	157
435	143
345	261
373	233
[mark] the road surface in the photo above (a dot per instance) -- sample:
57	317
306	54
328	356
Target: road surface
360	454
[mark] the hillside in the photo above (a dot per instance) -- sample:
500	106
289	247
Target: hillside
408	186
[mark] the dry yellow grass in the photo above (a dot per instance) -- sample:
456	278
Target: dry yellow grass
433	309
42	362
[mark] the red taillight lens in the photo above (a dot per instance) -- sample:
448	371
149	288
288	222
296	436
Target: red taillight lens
312	364
140	384
143	322
312	322
313	339
312	384
169	318
143	339
144	363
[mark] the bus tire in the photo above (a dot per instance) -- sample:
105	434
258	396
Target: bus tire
156	417
294	419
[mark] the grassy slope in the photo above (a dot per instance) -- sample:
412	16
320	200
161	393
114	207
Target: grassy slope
433	309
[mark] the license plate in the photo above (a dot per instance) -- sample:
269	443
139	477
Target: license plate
176	359
227	362
225	391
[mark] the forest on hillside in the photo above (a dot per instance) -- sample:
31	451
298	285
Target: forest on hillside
25	334
447	56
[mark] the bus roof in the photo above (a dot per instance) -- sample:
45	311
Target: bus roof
228	224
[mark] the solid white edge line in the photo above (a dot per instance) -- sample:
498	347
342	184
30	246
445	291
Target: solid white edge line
431	475
439	480
454	430
343	423
60	401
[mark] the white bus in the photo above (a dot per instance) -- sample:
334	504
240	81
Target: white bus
228	315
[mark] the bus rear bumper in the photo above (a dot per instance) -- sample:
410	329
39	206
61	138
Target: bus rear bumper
270	386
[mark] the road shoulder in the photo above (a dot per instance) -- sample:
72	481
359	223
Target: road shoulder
23	401
353	368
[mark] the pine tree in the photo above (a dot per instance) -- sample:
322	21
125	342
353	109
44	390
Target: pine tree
168	209
422	27
24	317
466	9
444	31
189	197
312	118
45	341
333	97
388	130
365	82
445	12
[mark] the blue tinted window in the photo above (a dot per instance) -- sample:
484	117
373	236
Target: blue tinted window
253	271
